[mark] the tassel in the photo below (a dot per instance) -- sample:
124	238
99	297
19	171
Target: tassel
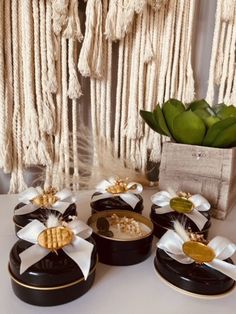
21	182
13	182
90	59
113	24
228	13
59	14
74	88
73	29
52	79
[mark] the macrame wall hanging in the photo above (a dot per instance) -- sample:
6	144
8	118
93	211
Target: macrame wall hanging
38	78
222	74
135	54
149	63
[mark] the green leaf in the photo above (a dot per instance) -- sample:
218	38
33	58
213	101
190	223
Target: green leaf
197	104
189	128
207	115
210	121
171	109
227	112
217	129
227	138
202	113
159	117
148	117
218	107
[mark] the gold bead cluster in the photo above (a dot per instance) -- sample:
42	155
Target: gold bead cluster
46	199
120	186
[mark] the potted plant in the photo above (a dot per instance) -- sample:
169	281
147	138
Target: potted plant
201	156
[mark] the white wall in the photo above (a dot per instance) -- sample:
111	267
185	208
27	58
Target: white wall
202	43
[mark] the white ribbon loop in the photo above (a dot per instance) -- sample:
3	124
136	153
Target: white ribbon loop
172	244
163	198
79	249
223	247
104	184
135	187
65	199
27	195
201	203
31	231
128	197
80	228
26	209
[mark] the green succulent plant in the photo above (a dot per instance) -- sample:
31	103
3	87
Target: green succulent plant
196	123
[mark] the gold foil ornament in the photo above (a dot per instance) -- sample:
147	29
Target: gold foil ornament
119	187
55	238
181	205
199	252
47	199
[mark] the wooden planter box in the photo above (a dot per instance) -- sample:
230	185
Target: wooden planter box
208	171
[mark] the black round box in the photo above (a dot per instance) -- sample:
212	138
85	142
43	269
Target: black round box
122	252
115	202
54	280
41	214
195	278
163	222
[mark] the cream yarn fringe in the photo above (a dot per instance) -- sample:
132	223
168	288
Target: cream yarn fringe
38	77
45	52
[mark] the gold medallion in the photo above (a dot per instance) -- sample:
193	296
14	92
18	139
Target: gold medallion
181	205
55	238
199	252
46	199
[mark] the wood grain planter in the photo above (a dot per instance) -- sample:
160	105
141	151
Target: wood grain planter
208	171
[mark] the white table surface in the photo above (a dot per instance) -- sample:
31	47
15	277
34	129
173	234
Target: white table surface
132	289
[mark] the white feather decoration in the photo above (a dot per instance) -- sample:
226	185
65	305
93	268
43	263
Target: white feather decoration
93	168
179	229
52	221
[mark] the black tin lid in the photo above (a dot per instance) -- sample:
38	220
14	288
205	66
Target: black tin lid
195	278
41	214
53	270
54	280
115	202
163	222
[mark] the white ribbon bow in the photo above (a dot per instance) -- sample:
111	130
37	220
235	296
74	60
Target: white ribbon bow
65	199
163	198
79	249
172	243
129	196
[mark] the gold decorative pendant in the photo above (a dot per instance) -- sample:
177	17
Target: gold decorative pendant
119	187
55	238
47	199
181	205
199	252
